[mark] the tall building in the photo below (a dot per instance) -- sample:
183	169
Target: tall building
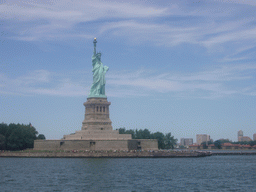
240	134
186	141
254	137
200	138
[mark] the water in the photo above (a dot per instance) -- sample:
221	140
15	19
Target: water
215	173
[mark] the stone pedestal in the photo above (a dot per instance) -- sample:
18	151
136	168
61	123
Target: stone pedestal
97	124
97	115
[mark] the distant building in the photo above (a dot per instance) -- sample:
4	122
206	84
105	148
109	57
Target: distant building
186	141
194	147
254	137
245	138
237	146
200	138
225	146
240	134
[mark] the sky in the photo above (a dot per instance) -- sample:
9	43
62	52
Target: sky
185	67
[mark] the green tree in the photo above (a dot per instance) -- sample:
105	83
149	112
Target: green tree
41	136
217	144
166	141
242	142
252	143
2	142
30	134
224	141
160	138
146	134
169	141
131	132
142	134
17	136
3	128
122	131
138	134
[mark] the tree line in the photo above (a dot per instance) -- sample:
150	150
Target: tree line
15	137
165	141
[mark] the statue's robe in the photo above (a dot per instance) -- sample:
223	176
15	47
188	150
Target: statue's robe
99	71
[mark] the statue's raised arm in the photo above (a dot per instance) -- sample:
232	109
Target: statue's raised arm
99	71
94	42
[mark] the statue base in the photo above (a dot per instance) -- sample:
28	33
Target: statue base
97	124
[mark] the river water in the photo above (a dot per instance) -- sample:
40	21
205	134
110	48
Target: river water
214	173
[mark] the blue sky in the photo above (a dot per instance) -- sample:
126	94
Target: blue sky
185	67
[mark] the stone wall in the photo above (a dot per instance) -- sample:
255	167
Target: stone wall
148	144
111	145
133	144
97	135
47	144
139	144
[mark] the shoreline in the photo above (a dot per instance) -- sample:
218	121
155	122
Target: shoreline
234	153
118	154
105	154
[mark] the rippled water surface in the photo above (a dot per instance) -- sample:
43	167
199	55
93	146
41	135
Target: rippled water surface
215	173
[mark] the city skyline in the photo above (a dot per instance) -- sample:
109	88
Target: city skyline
182	67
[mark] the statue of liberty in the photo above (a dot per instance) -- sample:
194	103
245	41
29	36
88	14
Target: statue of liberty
99	71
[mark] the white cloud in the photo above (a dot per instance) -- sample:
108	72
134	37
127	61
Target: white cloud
42	82
160	34
136	22
210	35
224	73
212	83
237	36
246	2
79	10
64	89
208	83
47	19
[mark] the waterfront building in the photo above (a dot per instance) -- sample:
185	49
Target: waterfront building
212	146
200	138
254	137
224	146
195	147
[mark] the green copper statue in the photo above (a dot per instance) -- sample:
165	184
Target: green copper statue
99	71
